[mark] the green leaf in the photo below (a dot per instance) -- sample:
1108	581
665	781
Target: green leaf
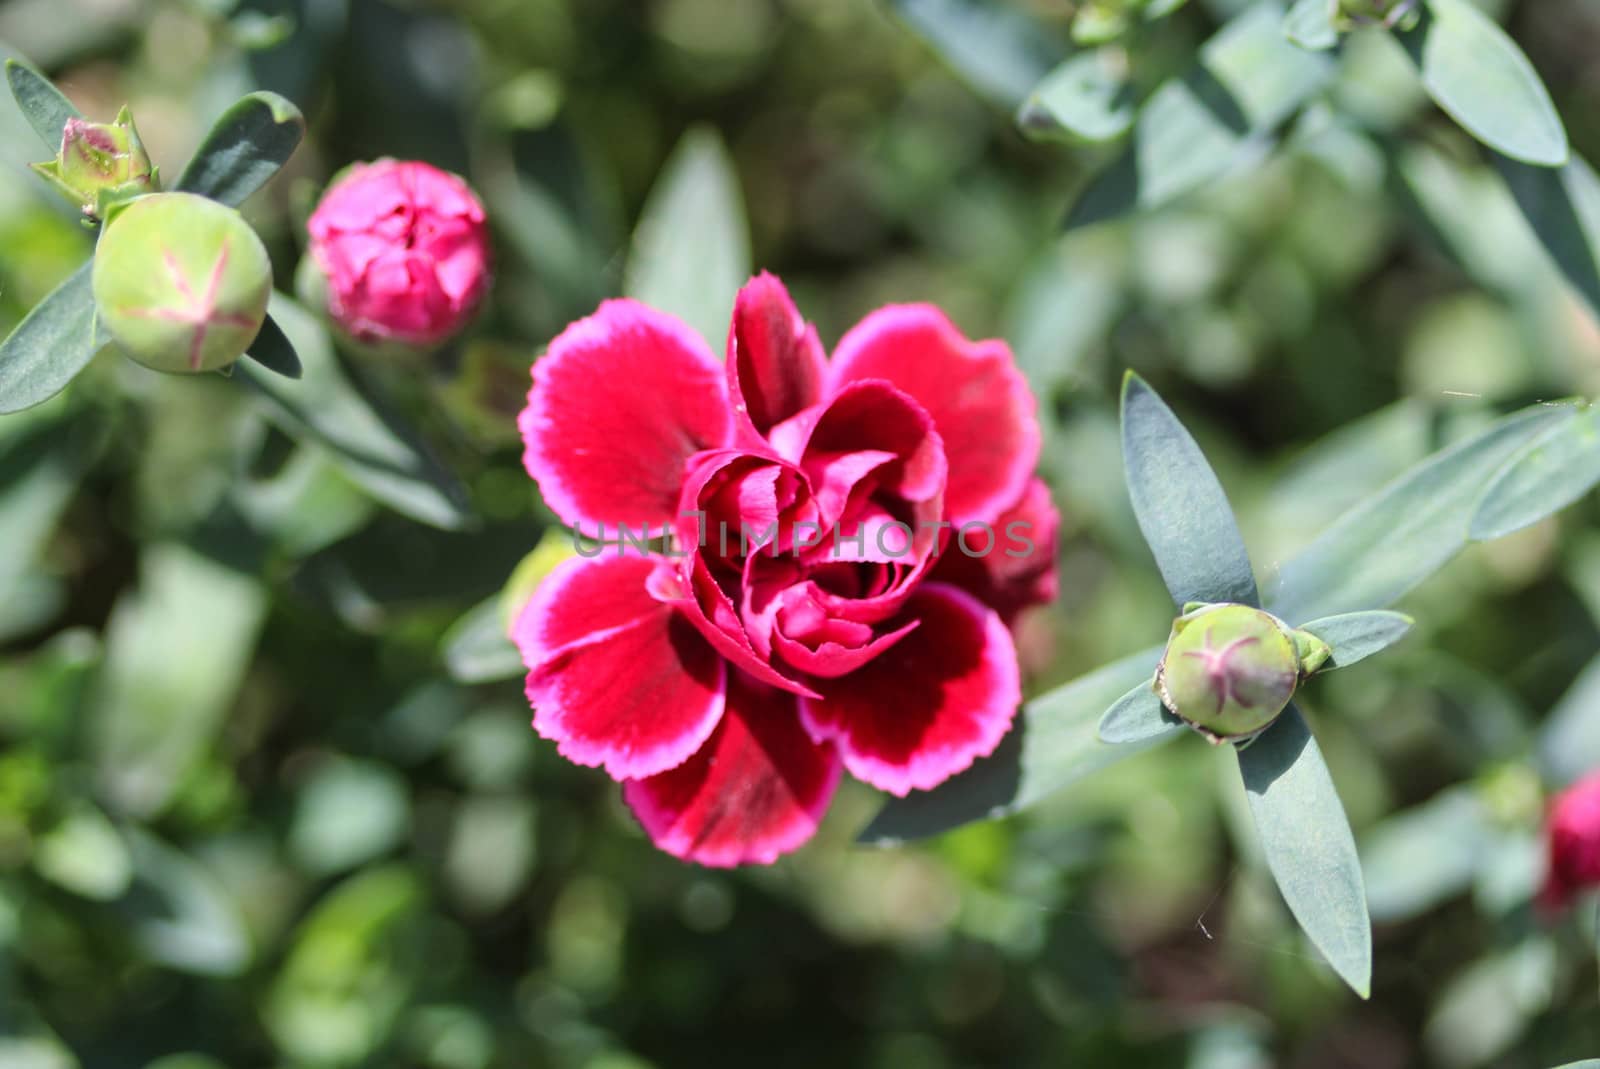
348	813
343	414
1478	75
999	50
274	351
1310	24
1355	636
1180	506
1556	470
691	250
1481	1013
1087	98
244	149
1569	743
181	915
55	341
1563	207
1394	540
1306	840
42	104
1426	855
477	649
1248	80
1137	716
1052	744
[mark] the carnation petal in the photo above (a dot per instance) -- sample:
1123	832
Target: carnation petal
619	404
775	360
757	790
931	704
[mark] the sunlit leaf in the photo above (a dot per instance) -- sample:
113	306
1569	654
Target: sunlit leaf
55	342
247	146
180	914
1384	547
691	251
1481	79
1355	636
1193	130
1086	98
42	104
1306	840
1563	207
1181	507
1557	469
1310	24
329	406
476	648
1137	716
348	812
86	855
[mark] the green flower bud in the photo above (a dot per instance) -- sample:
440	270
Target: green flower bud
1230	670
100	163
181	282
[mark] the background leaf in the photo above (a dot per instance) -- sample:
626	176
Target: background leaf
51	345
273	351
44	106
999	50
691	251
1310	24
1306	840
1086	98
1563	207
1396	539
1569	744
1558	468
1181	507
1483	81
1425	855
1356	636
244	149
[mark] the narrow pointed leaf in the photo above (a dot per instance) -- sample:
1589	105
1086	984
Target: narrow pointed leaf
1310	25
1425	855
51	345
1137	716
477	649
1087	98
1355	636
1569	743
1556	470
244	149
691	251
1180	506
1052	745
1306	840
342	413
1394	540
1563	207
1219	116
274	351
43	105
1001	52
1482	80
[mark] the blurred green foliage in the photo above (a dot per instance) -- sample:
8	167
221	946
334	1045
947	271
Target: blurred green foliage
252	814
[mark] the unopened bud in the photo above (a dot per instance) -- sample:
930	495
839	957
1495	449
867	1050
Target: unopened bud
100	163
1230	670
181	282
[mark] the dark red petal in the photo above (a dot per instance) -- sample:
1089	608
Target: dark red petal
1010	564
757	790
930	705
616	677
620	402
979	401
775	361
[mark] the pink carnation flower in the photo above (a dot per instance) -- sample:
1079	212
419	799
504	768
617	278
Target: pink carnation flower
1572	833
838	546
405	252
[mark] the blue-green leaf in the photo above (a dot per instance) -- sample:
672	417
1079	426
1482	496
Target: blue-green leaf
1193	130
274	351
51	345
1426	855
1053	744
1181	508
1310	24
244	149
1482	80
1557	469
1086	98
477	649
1137	716
1563	207
1306	840
1569	743
999	50
42	104
181	915
1384	547
691	250
1355	636
370	445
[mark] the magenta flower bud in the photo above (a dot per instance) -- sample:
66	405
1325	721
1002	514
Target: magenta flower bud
1230	670
100	162
181	282
404	251
1572	837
